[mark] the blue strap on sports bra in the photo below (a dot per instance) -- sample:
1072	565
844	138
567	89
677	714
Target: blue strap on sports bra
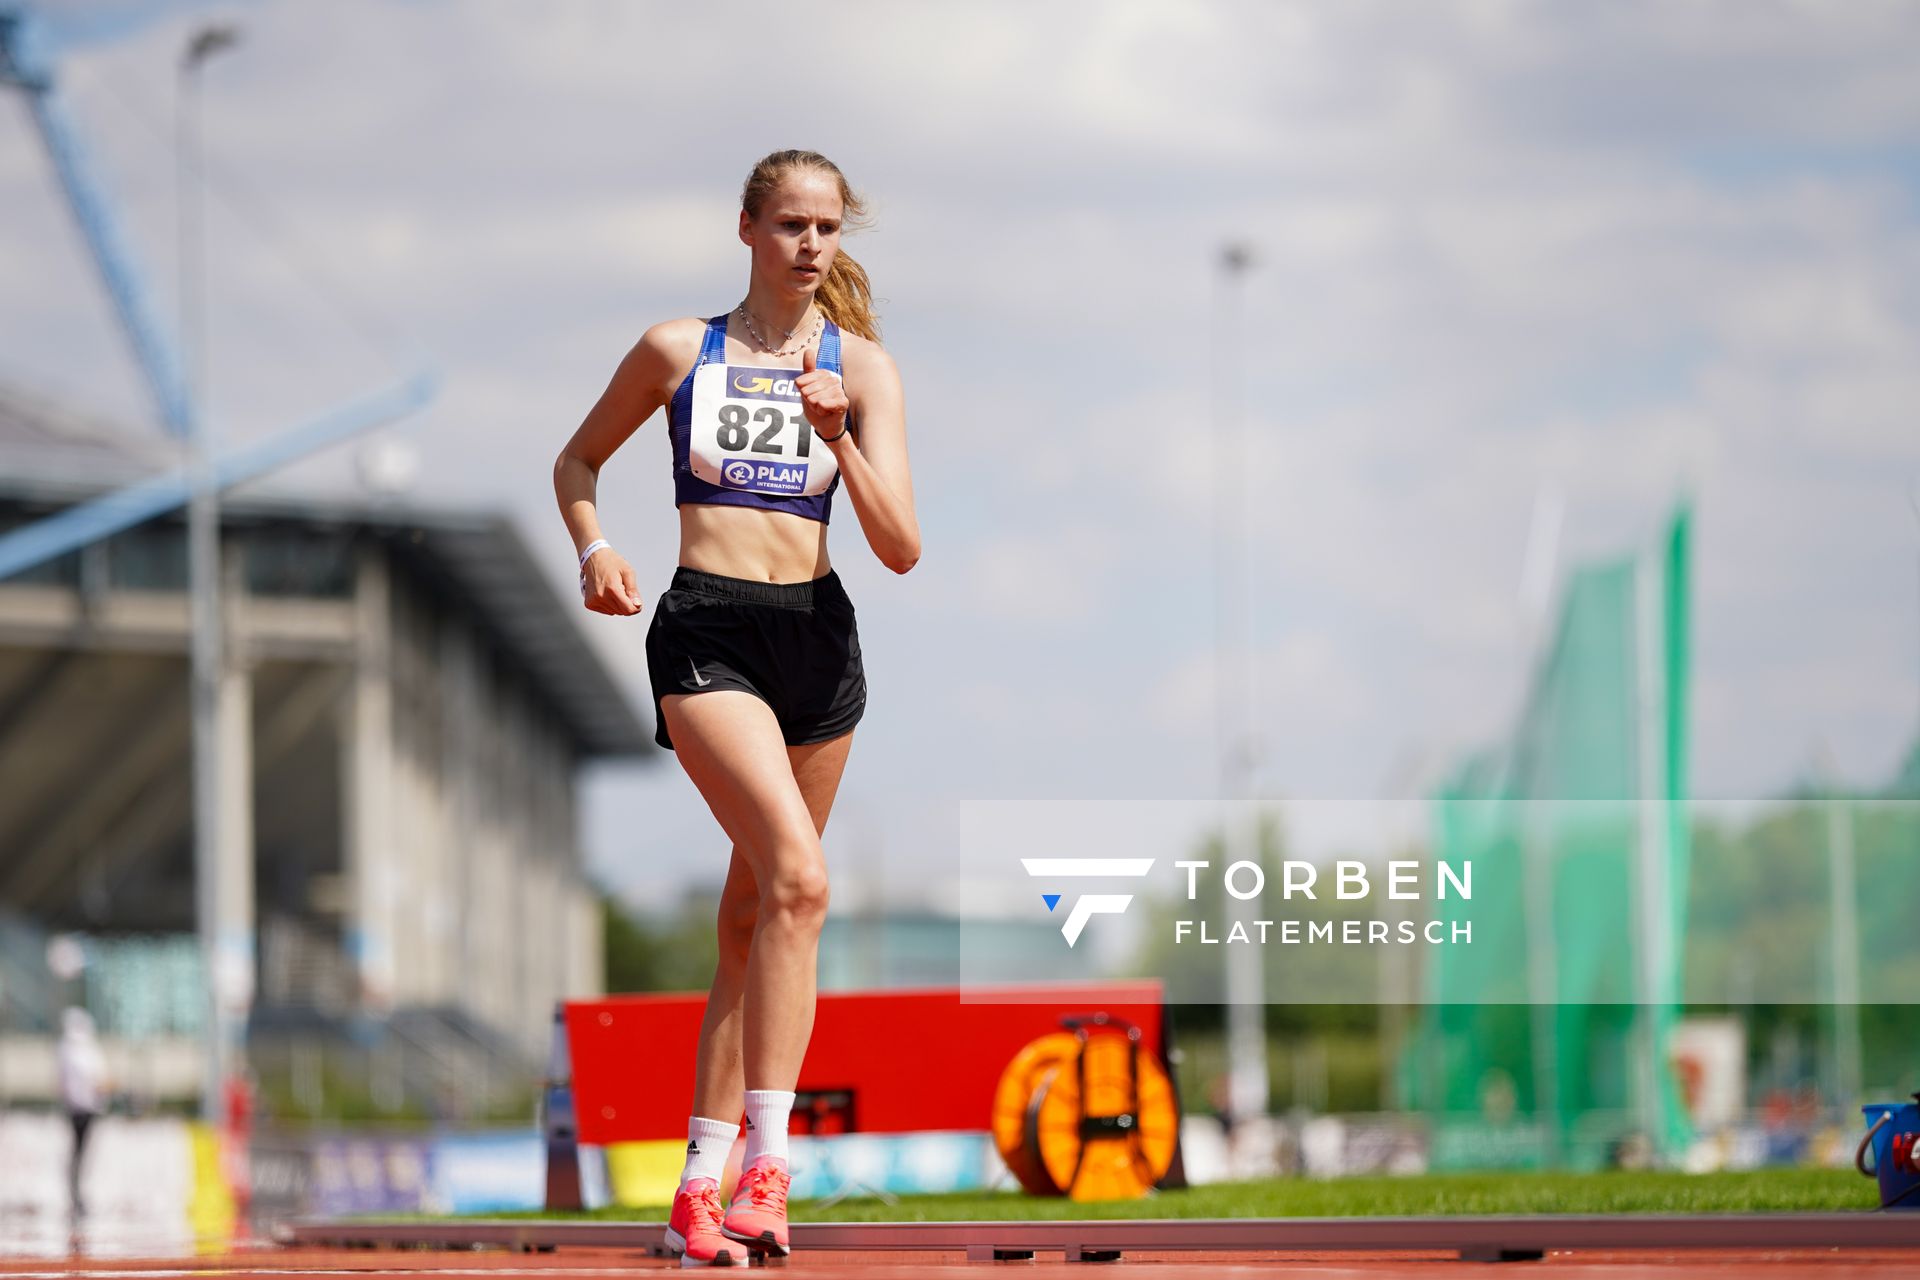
713	346
829	356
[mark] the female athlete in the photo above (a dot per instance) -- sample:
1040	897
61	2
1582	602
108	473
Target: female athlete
752	653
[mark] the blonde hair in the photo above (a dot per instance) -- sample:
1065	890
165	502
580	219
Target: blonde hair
845	296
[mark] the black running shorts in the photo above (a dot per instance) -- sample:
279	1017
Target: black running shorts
793	645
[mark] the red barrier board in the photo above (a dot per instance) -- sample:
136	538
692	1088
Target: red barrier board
908	1060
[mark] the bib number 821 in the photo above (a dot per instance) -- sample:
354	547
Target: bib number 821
732	435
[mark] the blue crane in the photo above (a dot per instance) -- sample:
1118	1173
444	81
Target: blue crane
30	45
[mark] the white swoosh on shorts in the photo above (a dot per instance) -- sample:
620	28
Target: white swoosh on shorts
697	678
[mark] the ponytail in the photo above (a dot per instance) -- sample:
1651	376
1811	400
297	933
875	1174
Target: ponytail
846	297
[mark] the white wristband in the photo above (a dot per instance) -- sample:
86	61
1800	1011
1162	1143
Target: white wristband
592	547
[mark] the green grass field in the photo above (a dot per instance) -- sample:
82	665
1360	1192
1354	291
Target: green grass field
1763	1191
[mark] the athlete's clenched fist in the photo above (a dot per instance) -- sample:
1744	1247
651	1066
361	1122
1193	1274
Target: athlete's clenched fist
823	398
607	584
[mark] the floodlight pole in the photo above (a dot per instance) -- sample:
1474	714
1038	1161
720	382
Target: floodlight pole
1843	930
1846	949
1651	855
1913	500
1233	690
222	893
1536	873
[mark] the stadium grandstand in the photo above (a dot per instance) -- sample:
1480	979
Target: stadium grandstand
406	843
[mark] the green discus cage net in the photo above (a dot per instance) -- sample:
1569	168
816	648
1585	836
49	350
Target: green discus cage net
1541	1041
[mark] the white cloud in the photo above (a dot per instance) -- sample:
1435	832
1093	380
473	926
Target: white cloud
1304	687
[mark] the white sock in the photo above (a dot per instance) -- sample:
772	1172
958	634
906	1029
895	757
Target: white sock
708	1142
767	1112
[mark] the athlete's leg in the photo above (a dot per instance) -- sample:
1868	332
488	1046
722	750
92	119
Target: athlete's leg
718	1082
730	746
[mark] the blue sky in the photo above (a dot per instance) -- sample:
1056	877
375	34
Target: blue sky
1612	253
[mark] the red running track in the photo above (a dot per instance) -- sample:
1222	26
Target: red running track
364	1264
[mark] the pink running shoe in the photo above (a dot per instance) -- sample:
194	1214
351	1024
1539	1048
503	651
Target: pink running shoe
693	1228
757	1217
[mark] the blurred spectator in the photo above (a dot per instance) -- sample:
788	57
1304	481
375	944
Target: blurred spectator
83	1079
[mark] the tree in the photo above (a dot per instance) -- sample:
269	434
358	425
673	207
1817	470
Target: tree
672	953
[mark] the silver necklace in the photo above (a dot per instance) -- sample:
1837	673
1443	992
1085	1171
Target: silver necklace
747	316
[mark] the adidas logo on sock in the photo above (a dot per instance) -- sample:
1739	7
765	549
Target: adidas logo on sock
693	1147
749	1122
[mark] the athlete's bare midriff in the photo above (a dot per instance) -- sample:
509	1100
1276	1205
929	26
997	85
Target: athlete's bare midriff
745	542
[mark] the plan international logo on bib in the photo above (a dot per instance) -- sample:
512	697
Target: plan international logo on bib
760	384
765	477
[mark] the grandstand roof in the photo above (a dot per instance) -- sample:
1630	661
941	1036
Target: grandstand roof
51	456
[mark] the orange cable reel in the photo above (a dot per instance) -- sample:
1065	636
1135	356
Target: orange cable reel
1087	1113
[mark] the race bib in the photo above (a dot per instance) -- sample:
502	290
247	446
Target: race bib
748	432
